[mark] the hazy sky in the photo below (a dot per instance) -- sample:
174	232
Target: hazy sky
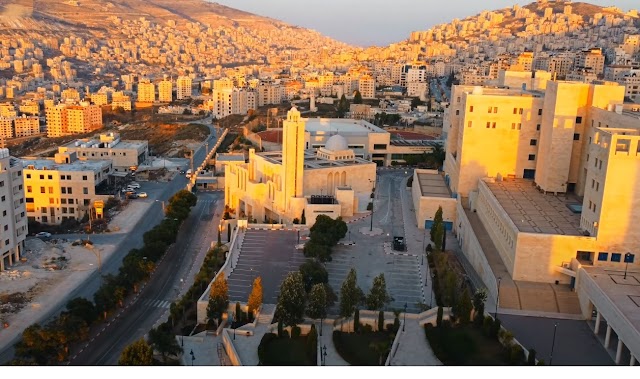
379	22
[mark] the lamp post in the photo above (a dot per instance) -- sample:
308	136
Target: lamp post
628	258
321	325
324	355
498	298
553	343
298	236
193	357
371	228
405	316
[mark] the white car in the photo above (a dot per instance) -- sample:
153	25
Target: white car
43	235
142	194
133	185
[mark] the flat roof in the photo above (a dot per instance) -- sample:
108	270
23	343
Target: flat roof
433	185
128	144
624	293
409	136
312	161
340	125
51	165
534	212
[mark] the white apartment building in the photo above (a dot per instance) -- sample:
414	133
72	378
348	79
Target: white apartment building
165	89
62	187
228	101
12	205
146	92
183	88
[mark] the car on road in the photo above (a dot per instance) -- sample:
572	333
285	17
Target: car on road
132	195
143	194
43	235
133	185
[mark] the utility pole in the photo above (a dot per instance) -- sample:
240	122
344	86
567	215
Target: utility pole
191	158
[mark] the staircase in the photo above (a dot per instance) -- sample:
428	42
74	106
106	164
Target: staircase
266	314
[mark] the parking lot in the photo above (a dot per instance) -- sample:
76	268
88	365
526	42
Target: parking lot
270	254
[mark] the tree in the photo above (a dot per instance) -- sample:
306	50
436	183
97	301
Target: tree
415	102
464	306
303	219
435	158
357	97
255	297
312	343
138	353
381	348
350	294
317	307
313	272
479	298
83	308
437	229
439	316
291	300
356	320
218	298
531	358
343	106
378	297
164	342
380	321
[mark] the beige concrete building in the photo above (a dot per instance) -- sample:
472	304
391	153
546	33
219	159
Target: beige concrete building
125	155
281	185
183	87
6	128
12	206
428	192
26	126
165	89
146	92
63	187
64	120
592	58
367	87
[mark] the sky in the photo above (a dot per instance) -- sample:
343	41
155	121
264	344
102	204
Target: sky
379	22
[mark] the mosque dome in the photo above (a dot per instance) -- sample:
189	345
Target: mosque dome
337	143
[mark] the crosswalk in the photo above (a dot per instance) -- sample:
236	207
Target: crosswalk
155	303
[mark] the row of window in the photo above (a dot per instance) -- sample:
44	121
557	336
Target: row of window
604	257
62	177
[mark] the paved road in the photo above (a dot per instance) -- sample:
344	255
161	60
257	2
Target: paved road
123	242
163	288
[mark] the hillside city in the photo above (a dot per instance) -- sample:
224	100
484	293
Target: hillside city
171	171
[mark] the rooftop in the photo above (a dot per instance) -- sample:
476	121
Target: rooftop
534	212
51	165
319	126
409	136
311	161
129	144
433	185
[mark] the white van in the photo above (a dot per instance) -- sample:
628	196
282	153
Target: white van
188	175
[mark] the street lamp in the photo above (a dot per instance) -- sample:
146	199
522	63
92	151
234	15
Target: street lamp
324	354
193	357
371	228
628	258
405	316
553	343
498	298
321	318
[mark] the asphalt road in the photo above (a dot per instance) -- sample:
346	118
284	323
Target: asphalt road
163	288
123	242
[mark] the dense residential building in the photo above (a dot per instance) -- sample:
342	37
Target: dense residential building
64	187
367	87
125	155
64	120
12	206
146	92
183	87
26	126
593	59
165	89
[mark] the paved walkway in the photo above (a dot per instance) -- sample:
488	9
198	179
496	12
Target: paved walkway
332	358
413	348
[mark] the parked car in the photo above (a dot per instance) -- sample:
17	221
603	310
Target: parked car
133	185
143	194
132	195
43	235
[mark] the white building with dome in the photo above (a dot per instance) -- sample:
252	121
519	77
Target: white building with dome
281	185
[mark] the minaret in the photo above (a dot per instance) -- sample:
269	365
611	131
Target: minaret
292	155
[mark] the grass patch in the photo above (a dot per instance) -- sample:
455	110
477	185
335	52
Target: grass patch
355	348
464	345
285	351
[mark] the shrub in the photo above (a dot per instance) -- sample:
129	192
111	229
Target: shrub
296	221
264	342
367	328
389	327
439	317
369	206
280	329
396	324
356	321
531	359
495	328
295	332
487	325
429	248
285	333
312	343
516	355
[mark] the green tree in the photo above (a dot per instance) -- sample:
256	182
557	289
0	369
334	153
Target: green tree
83	308
303	219
356	320
479	298
350	294
313	272
343	106
291	300
380	321
138	353
255	297
415	102
357	97
312	343
218	298
464	306
381	348
378	296
437	229
439	316
317	307
164	342
531	358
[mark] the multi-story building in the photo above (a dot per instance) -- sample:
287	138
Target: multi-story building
228	101
64	120
70	95
6	127
26	126
367	87
8	110
165	89
593	59
125	155
146	92
63	187
31	108
12	206
99	99
183	87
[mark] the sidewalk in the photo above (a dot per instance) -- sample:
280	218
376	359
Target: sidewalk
413	347
326	339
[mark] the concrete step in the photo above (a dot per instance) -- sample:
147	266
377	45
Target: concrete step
509	297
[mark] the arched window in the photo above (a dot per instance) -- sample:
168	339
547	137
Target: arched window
343	180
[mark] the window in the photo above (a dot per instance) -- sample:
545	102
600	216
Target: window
615	257
533	142
69	191
375	147
64	209
532	157
603	257
42	190
4	213
576	136
3	198
28	189
51	200
493	126
70	210
63	189
6	227
578	120
28	176
6	242
63	201
86	201
49	177
84	177
471	108
539	112
85	190
457	112
44	210
50	189
515	110
488	125
469	124
538	127
42	177
520	111
593	183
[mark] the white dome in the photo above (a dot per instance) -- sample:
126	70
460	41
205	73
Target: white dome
337	143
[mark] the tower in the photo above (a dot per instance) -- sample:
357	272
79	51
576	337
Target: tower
293	155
